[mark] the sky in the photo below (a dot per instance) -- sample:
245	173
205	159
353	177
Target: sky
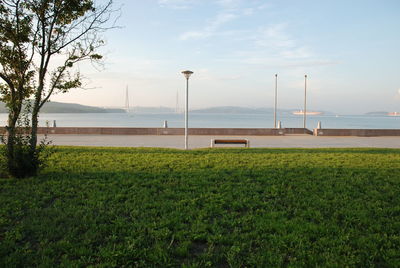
350	51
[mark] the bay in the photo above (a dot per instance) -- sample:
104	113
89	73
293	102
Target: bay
206	120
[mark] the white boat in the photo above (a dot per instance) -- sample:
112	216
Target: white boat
301	112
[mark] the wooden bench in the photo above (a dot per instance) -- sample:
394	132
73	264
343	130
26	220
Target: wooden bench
246	142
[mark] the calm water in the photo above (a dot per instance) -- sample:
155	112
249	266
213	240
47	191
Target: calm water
214	120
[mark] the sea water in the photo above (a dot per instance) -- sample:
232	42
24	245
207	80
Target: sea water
206	120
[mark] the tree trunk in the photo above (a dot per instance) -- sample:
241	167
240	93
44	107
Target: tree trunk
11	138
35	115
34	128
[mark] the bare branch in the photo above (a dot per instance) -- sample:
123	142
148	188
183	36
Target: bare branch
92	26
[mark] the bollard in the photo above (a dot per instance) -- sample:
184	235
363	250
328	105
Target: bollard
319	125
54	123
279	124
165	124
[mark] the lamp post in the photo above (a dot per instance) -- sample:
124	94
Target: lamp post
276	98
187	74
305	101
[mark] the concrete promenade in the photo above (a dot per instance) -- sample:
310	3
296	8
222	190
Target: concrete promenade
177	141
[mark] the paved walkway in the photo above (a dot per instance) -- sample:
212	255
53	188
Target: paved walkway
290	141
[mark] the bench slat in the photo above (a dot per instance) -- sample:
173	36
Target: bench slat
232	141
229	141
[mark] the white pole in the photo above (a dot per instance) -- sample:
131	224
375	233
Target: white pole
186	113
276	98
187	74
305	101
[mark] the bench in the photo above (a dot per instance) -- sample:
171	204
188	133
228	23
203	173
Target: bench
246	142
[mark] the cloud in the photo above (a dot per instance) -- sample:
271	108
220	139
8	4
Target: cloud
246	6
276	39
270	45
270	62
274	36
206	74
176	4
211	28
195	35
229	10
221	19
248	11
264	6
296	53
229	4
273	46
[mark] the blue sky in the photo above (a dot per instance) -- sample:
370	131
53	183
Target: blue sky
349	50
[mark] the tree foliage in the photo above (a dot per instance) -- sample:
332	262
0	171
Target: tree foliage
41	41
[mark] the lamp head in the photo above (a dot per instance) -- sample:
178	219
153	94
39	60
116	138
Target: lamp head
187	73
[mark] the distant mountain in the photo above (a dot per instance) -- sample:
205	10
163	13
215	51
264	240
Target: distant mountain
152	110
246	110
240	110
233	110
377	113
60	107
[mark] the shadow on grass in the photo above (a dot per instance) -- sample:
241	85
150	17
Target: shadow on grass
233	217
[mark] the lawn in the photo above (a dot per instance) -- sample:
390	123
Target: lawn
113	207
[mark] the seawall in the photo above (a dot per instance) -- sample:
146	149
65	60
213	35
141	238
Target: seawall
356	132
170	131
215	131
174	131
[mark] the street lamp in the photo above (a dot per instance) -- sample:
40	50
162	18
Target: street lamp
276	98
305	101
187	74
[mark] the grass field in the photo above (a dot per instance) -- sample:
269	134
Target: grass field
106	207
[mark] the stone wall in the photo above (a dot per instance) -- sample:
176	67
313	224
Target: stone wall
357	132
170	131
215	131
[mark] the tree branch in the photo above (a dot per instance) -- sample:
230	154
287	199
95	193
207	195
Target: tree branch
8	81
89	28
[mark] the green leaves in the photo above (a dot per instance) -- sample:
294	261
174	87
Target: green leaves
96	57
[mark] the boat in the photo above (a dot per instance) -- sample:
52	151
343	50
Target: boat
393	114
301	112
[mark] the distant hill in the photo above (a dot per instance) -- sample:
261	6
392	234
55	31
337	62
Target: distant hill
233	110
377	113
214	110
60	107
241	110
152	110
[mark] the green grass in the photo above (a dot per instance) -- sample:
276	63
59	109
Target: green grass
107	207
